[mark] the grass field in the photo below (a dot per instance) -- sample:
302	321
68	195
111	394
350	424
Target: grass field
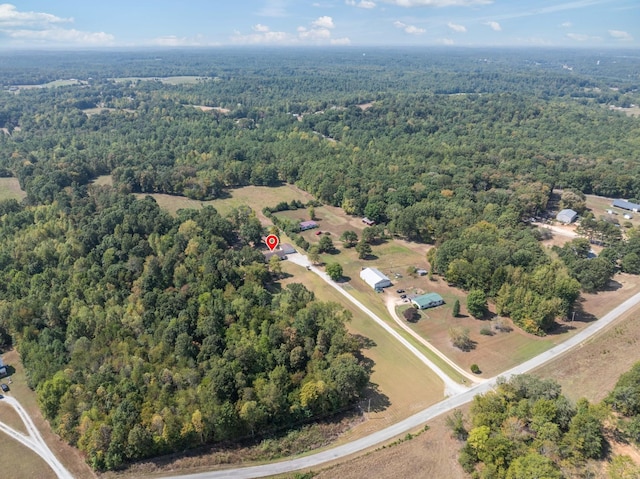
173	80
600	204
403	382
10	189
20	462
69	456
53	84
11	418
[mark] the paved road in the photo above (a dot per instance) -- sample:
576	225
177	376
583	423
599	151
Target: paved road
33	440
451	387
413	422
391	307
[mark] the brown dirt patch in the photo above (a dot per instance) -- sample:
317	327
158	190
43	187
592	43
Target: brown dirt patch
10	189
433	454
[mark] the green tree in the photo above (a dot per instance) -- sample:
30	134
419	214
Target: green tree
312	213
533	466
325	245
275	265
363	249
456	308
477	303
349	238
314	254
334	270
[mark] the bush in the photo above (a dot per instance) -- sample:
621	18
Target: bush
460	339
502	326
475	369
486	331
456	308
411	314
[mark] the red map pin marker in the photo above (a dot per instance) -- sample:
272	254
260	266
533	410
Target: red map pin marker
272	242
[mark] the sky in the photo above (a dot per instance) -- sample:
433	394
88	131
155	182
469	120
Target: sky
66	24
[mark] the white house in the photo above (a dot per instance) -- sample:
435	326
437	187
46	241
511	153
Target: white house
374	278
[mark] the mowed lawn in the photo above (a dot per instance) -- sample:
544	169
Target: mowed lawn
11	418
20	462
404	384
10	189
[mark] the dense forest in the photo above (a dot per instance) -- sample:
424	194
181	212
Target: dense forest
527	428
144	333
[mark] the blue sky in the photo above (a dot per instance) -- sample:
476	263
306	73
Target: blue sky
173	23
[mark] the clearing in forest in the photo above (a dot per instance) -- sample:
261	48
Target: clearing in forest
10	189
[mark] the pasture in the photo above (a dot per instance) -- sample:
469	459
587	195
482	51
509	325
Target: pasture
10	189
171	80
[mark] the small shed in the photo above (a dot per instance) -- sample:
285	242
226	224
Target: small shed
308	225
375	278
368	222
567	216
429	300
421	272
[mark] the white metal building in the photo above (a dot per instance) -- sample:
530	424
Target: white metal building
374	278
567	216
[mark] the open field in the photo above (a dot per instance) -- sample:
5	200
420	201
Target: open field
173	80
98	110
210	108
52	84
631	111
589	371
11	418
600	204
72	459
20	462
256	197
405	384
432	454
10	189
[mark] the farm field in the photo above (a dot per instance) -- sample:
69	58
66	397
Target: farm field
52	84
98	110
405	385
10	189
10	417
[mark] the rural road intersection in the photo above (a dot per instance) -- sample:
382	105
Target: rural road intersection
33	440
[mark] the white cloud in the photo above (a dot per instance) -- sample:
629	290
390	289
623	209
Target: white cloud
11	17
566	25
317	32
579	37
457	28
495	26
274	8
361	3
61	36
410	29
323	22
620	35
314	34
445	41
176	41
44	28
263	38
438	3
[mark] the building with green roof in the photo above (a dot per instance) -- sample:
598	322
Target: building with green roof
429	300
